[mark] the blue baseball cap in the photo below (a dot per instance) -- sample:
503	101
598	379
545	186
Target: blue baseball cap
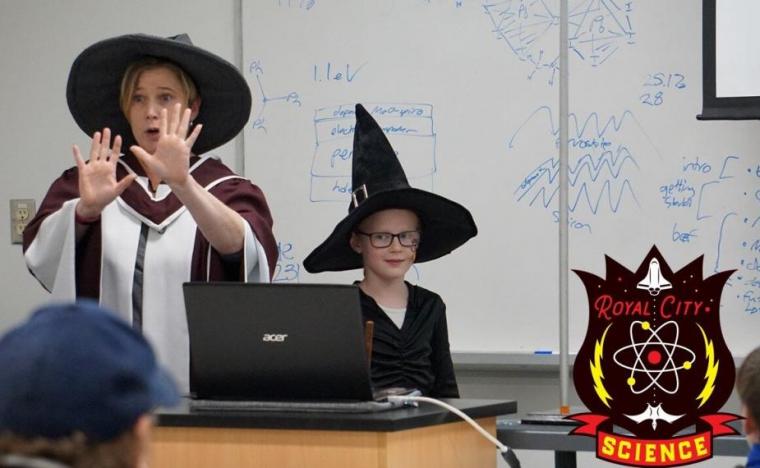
78	368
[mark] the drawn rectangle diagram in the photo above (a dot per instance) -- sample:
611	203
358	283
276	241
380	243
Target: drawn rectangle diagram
409	128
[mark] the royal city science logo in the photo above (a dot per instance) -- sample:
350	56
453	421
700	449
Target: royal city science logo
654	363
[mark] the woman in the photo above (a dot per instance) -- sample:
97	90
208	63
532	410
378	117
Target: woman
130	230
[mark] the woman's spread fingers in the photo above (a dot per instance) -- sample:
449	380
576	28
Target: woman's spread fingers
95	146
162	124
193	136
105	144
176	118
116	149
184	123
78	157
139	153
124	183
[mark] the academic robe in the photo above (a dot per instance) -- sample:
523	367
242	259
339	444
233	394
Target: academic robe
135	258
417	355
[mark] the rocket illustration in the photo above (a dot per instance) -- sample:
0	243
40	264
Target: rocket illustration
654	282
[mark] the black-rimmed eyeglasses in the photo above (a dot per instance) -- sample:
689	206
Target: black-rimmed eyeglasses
381	240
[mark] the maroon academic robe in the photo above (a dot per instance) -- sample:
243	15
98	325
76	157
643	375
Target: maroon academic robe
136	257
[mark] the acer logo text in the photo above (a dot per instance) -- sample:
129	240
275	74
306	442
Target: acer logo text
274	337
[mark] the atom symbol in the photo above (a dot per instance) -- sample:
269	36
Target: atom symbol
653	352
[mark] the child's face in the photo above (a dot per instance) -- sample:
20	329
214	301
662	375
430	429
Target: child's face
157	88
392	262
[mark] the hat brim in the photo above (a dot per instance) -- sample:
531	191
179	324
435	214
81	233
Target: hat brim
446	225
92	91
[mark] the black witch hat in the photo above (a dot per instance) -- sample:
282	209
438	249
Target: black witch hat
95	78
379	183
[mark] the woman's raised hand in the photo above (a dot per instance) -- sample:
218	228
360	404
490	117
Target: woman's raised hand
171	160
97	178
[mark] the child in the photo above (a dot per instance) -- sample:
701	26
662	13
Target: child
77	386
389	227
748	388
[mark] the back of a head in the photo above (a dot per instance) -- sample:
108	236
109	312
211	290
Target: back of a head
77	371
748	384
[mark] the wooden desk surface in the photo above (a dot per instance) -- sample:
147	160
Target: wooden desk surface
422	437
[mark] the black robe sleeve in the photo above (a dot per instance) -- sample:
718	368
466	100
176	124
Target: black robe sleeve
445	383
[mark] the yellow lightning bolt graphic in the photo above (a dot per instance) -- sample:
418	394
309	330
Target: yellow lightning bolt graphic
712	370
596	370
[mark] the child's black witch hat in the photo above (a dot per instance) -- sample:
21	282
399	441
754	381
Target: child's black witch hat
379	183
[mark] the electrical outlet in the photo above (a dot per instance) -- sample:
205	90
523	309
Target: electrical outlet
22	211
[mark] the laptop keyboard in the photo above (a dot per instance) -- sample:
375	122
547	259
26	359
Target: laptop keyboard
297	406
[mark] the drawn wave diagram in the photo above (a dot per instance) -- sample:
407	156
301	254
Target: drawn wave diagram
601	172
593	184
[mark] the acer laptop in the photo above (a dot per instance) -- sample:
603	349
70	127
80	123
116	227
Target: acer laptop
256	346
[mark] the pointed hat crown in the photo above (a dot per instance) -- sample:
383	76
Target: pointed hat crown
375	164
379	183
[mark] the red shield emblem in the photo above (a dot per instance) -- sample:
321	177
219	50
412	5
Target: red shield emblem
654	362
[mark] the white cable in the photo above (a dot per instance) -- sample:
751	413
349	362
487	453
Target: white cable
408	398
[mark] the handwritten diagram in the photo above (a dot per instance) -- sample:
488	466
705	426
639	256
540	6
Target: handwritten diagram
256	69
602	168
409	128
530	29
541	186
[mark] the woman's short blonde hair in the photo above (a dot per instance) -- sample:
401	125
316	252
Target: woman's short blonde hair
135	69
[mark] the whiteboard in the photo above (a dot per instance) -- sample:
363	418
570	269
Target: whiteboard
469	93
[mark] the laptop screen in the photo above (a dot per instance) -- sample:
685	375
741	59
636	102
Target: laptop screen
254	341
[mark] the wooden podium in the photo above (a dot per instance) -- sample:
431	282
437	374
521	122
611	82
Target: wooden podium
427	436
